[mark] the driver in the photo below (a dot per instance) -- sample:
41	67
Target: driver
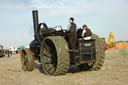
72	33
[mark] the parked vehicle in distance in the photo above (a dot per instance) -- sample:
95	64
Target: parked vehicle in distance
1	51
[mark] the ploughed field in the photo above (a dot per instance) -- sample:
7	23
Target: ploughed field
114	72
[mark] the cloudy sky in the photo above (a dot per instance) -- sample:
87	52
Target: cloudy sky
101	16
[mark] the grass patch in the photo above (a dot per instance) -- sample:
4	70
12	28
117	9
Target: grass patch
123	51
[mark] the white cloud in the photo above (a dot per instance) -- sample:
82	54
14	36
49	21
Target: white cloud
57	7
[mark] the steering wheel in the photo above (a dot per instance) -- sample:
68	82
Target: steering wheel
42	29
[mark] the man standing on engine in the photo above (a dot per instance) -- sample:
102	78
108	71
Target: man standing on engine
72	33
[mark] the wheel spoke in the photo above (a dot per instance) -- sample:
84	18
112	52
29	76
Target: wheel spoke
25	59
48	56
46	47
52	67
47	62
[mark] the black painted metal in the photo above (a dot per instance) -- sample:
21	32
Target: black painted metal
35	22
86	52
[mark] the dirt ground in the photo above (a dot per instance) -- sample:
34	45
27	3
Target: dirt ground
114	72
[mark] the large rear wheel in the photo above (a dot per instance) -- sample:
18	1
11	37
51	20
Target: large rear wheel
54	56
100	55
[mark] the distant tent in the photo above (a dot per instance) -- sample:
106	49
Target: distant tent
20	48
1	47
